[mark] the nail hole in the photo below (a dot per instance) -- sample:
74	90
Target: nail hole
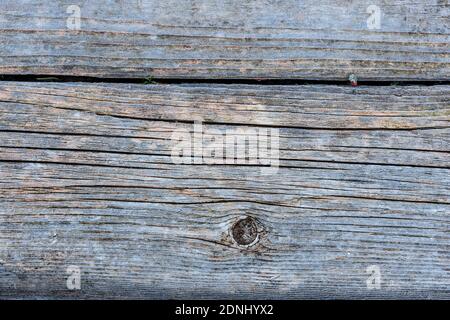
245	231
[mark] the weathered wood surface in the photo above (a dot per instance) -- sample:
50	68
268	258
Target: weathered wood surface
86	179
311	39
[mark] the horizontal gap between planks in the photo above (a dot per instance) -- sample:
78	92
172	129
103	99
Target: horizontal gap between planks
58	78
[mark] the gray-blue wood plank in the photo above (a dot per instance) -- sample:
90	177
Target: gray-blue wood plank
87	181
216	39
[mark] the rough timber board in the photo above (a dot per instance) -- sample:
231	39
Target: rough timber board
86	179
284	39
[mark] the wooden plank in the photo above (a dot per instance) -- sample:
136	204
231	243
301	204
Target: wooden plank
288	39
86	179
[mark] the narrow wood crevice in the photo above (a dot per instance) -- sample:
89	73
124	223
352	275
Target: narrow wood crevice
73	163
260	82
225	201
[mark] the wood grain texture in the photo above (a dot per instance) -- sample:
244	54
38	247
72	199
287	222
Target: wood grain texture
86	179
287	39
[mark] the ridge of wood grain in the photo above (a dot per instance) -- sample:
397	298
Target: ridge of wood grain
289	39
86	179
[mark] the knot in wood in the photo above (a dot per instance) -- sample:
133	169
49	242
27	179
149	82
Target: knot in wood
245	231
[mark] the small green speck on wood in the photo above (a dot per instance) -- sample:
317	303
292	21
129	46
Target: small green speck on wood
149	80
